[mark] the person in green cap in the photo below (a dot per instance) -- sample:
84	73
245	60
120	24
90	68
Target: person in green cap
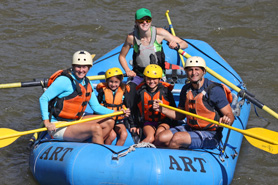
147	44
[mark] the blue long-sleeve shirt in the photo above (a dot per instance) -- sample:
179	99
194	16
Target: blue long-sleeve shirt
62	87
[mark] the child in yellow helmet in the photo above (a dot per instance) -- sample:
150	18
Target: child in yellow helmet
150	89
111	94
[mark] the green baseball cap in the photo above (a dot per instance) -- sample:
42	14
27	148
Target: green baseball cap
143	12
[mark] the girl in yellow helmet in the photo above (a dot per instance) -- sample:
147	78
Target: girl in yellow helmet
151	89
112	95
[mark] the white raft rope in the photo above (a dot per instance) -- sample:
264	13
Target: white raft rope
132	148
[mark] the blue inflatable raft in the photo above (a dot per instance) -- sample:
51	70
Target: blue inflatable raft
58	162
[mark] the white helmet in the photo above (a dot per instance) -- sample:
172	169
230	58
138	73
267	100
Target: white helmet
195	62
82	58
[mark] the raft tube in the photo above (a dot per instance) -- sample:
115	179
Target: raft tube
59	162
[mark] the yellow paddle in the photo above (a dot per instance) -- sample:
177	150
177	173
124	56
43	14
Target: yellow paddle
259	137
42	82
241	92
8	136
173	33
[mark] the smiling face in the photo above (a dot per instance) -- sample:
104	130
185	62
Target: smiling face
113	83
195	74
152	83
144	24
80	71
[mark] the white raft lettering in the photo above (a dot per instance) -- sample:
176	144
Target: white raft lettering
188	164
55	153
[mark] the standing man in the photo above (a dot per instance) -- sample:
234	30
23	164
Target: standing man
203	97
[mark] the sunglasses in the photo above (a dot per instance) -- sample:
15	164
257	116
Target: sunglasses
140	21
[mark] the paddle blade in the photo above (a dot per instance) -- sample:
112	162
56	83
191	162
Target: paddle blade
268	134
7	132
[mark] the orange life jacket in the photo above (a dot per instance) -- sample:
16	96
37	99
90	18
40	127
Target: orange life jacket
73	105
198	105
146	101
112	101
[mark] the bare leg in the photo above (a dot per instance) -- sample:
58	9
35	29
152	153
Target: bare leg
162	127
149	132
84	131
110	138
163	138
107	125
180	139
95	129
121	130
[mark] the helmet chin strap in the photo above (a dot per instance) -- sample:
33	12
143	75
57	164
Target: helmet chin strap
198	82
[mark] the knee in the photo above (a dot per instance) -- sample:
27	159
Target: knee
164	136
178	136
123	134
149	139
111	122
112	135
108	123
96	128
180	139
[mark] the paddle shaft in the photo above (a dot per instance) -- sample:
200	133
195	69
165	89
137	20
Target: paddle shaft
244	132
41	82
62	124
21	84
242	93
173	33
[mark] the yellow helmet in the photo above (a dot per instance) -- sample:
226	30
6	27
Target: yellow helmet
113	72
153	71
195	62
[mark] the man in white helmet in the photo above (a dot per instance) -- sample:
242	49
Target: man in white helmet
69	91
203	97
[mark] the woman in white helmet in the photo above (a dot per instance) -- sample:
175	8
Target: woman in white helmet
66	99
203	97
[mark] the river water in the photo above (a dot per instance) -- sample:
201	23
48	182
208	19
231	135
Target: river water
39	37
